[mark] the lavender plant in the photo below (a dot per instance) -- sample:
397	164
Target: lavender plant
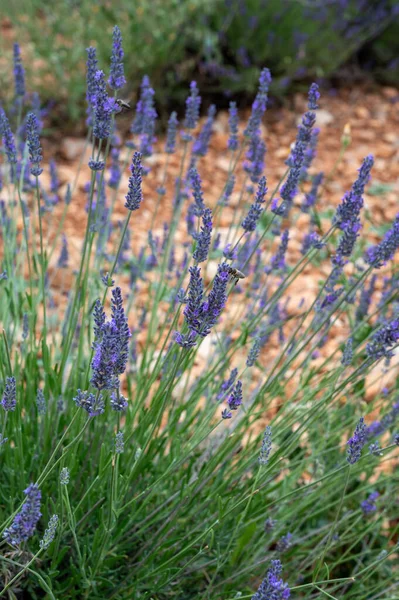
173	423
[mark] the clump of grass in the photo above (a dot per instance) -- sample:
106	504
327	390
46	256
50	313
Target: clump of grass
173	425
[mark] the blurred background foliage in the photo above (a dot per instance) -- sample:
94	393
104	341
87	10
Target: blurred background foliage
220	43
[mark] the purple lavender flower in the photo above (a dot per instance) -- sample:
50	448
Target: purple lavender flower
9	400
103	108
289	189
396	439
111	345
116	79
216	301
381	253
64	255
173	123
201	144
93	405
198	194
8	138
96	165
120	320
266	446
356	442
91	82
235	398
250	221
348	211
148	117
383	341
368	506
259	104
19	73
33	141
226	414
99	318
193	104
311	240
24	523
232	144
284	543
272	587
185	340
204	239
227	385
193	309
118	402
54	181
134	196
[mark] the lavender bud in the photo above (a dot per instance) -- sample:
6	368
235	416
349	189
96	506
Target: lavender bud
35	150
135	195
9	400
116	79
49	533
173	123
193	104
64	476
19	73
232	144
356	442
92	405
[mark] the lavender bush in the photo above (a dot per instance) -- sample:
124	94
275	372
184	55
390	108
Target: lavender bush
223	42
173	423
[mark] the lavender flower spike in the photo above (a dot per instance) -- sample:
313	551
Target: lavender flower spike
91	84
35	150
8	138
134	196
170	145
24	524
117	79
103	108
9	400
91	404
272	587
193	104
193	309
204	239
19	73
235	398
356	442
50	532
232	144
251	220
381	253
383	341
259	104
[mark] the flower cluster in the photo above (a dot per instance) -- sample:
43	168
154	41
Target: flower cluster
273	587
24	523
111	345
